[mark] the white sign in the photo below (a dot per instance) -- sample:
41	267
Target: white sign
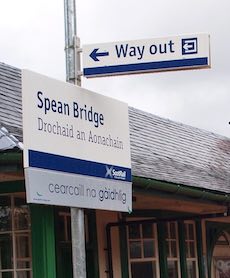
76	146
159	54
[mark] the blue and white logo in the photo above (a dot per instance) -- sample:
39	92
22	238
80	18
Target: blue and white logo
115	174
109	172
189	46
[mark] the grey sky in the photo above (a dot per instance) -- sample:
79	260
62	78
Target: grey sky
32	36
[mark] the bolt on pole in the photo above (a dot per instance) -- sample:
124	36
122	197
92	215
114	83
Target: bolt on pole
72	69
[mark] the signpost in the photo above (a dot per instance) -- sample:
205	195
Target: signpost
143	56
76	142
76	146
73	65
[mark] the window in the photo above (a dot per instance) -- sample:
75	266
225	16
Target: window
63	242
142	247
64	226
172	250
191	251
15	237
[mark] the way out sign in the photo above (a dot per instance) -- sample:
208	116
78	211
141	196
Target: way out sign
76	146
152	55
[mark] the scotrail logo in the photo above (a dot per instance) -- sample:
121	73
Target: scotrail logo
112	173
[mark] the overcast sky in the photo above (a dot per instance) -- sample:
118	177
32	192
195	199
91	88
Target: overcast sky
32	37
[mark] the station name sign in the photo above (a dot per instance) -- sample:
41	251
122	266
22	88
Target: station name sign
76	146
152	55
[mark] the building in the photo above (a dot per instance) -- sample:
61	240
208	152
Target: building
179	227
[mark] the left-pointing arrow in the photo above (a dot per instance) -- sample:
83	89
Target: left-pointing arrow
95	54
188	46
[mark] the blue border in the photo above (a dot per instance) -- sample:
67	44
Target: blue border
151	66
73	165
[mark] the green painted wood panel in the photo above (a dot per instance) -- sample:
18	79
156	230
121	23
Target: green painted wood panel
43	241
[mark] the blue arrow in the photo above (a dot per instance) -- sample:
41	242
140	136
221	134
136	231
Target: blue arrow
94	54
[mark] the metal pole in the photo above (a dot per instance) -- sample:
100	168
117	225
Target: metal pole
72	69
78	243
70	33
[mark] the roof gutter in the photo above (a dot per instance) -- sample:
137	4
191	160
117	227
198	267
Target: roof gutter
11	160
145	184
14	158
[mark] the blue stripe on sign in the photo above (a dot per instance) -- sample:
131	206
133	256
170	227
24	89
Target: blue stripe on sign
77	166
154	66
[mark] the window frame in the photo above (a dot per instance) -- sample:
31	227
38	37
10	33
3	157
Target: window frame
176	240
187	245
15	233
154	259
